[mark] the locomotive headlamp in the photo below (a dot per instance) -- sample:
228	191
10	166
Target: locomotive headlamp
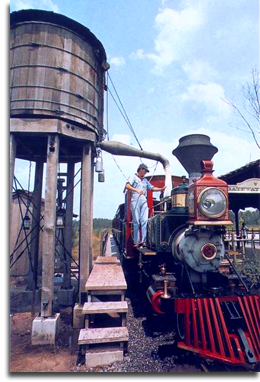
208	199
212	202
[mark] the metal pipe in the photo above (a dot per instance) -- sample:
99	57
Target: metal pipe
165	295
236	272
118	148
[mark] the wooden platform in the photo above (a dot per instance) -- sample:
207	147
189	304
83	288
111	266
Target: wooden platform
103	335
107	260
105	307
106	277
226	262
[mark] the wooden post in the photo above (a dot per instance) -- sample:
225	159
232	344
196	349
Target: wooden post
85	234
237	227
12	165
36	216
49	226
91	212
233	241
68	224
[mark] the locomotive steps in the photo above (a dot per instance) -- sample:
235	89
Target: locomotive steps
106	304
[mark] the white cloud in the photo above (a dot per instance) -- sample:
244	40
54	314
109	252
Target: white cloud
199	71
47	5
211	95
20	4
175	33
234	152
117	61
123	138
138	54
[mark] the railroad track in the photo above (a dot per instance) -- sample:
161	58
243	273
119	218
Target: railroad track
212	366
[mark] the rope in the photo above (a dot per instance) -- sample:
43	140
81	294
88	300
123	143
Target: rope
120	168
107	109
125	116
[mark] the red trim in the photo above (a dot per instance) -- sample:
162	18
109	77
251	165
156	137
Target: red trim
150	203
252	299
221	347
195	326
253	326
252	332
212	343
202	328
130	252
156	301
207	333
224	328
187	322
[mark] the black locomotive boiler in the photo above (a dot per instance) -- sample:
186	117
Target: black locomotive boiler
186	269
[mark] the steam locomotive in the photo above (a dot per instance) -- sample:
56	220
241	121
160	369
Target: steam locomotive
185	267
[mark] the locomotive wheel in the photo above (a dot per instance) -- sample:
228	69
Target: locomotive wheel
180	325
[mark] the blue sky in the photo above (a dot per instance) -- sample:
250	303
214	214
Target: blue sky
173	63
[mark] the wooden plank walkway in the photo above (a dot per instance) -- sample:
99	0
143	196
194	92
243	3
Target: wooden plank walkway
106	277
103	335
105	307
107	260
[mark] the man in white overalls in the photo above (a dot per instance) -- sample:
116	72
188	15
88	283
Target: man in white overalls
138	186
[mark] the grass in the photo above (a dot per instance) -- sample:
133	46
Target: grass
96	241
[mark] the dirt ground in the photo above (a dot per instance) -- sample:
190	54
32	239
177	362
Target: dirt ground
46	358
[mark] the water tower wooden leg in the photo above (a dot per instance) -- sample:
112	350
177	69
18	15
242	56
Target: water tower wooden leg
37	199
85	247
12	164
49	226
91	211
68	224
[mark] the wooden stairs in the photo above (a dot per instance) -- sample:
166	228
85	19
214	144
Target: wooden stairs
106	303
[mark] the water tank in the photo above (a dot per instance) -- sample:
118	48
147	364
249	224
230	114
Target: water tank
57	70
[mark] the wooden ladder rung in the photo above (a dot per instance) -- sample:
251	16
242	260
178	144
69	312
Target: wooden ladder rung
105	278
107	260
103	335
106	307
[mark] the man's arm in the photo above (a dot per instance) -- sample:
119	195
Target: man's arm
130	188
158	188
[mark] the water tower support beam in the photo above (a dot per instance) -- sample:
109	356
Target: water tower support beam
12	164
68	223
85	240
49	226
36	216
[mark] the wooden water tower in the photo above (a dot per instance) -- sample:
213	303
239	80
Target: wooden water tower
56	90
